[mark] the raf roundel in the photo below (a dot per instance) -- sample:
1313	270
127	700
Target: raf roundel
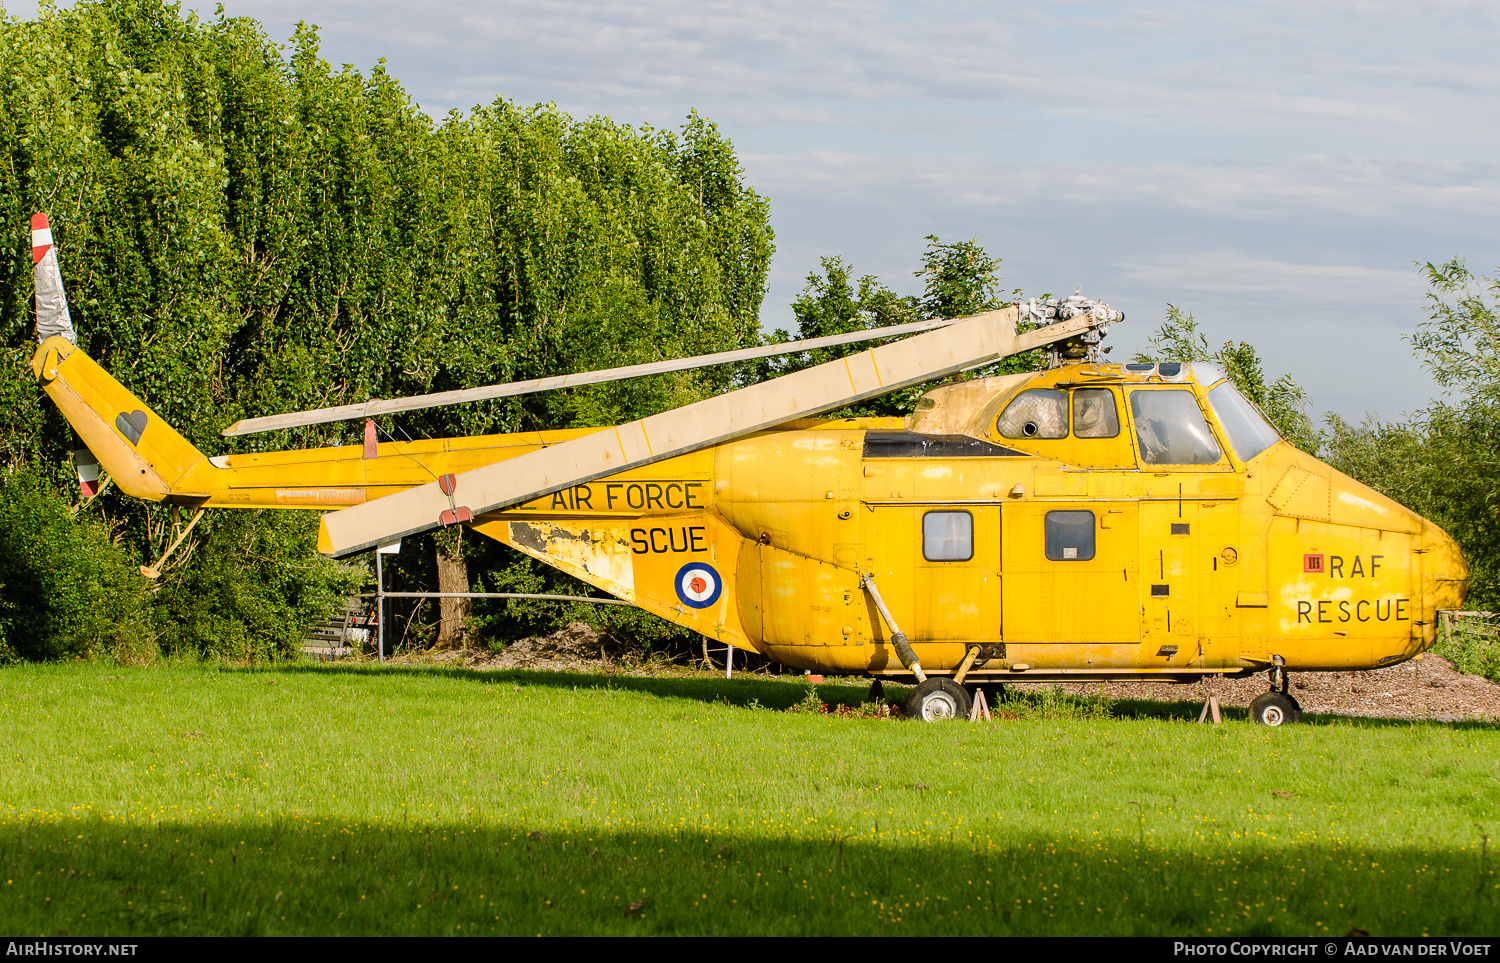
698	585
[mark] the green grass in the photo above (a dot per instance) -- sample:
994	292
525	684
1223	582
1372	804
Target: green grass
308	800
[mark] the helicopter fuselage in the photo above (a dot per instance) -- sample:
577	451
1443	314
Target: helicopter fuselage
1094	521
1135	550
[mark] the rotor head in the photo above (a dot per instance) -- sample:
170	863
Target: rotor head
1083	348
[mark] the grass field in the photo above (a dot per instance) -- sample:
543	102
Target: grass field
320	800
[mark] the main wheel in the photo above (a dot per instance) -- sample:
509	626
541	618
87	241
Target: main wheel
1274	709
938	699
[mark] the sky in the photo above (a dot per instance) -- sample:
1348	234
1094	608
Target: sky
1276	169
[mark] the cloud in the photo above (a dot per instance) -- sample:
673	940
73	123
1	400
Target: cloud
1233	272
1327	69
1289	192
1264	158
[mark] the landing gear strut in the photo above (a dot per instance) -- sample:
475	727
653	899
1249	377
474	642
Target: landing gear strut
1277	707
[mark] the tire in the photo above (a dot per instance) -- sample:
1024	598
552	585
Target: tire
938	700
1274	709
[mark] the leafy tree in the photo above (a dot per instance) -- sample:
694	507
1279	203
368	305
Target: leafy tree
245	229
252	587
1445	463
1459	343
959	280
1283	400
66	589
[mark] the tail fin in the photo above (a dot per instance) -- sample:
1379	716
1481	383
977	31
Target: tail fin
52	316
144	455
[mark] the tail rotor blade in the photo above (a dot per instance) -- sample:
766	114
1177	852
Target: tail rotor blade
52	317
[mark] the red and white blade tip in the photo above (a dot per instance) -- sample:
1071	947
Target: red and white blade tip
41	237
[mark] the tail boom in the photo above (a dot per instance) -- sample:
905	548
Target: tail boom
142	453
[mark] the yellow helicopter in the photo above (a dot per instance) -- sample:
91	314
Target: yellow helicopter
1093	521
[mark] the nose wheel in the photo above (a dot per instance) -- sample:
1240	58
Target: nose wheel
1277	707
938	700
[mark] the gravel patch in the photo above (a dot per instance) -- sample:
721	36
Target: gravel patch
1428	687
578	647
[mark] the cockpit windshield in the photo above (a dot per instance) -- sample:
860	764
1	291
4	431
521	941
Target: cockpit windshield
1249	432
1171	429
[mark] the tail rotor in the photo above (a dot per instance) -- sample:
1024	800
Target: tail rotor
52	317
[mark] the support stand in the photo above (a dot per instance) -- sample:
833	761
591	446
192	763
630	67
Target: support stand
981	709
380	605
1211	706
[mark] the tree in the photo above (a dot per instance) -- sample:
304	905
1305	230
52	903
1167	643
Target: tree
65	589
958	280
1283	401
1445	463
247	230
1459	343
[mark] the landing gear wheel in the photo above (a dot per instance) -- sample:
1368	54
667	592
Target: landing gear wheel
937	700
1274	709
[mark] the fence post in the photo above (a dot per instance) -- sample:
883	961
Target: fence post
380	604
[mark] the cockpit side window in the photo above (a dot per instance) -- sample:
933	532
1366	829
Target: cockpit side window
1170	428
1249	432
1039	413
1094	413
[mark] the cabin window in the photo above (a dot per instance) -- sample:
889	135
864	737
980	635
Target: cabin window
1171	428
1094	413
1249	432
947	536
1039	413
1070	536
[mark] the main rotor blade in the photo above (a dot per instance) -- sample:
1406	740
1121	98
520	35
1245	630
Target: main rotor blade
969	343
369	409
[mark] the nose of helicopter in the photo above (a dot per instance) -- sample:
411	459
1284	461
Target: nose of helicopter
1437	576
1445	575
